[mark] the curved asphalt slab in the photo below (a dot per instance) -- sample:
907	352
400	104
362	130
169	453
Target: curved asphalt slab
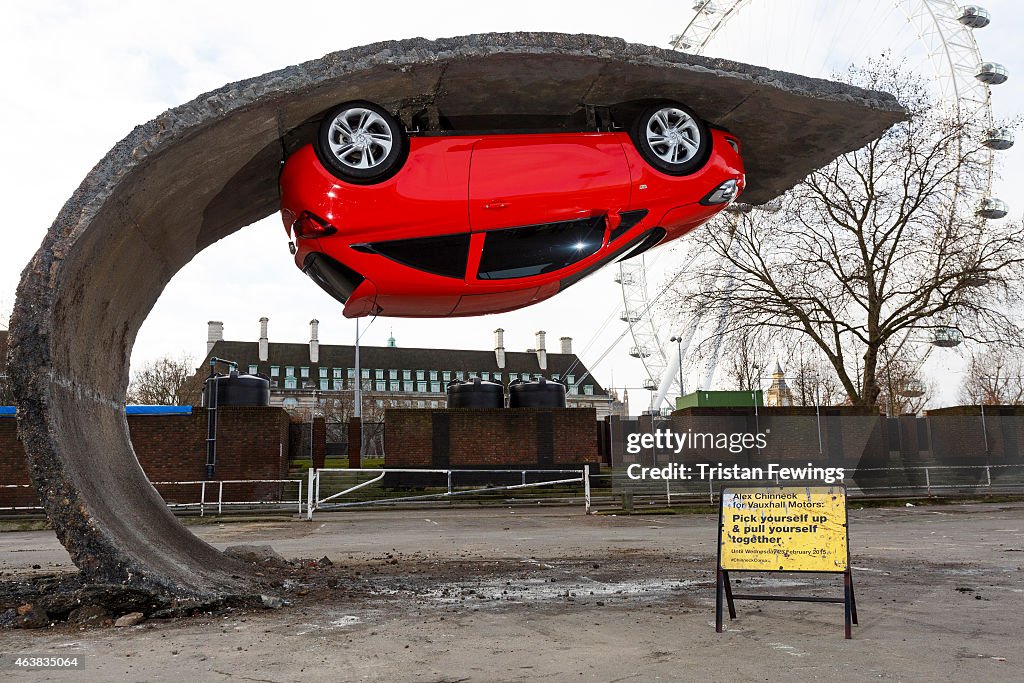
201	171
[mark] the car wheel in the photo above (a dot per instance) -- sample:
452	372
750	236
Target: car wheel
672	139
360	142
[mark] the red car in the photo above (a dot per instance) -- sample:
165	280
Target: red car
399	223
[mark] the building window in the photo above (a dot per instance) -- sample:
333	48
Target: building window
289	383
392	374
485	375
379	403
574	389
460	375
433	404
378	374
382	385
275	371
323	373
335	373
421	404
435	387
407	386
497	377
338	386
446	376
290	403
273	384
365	373
420	375
407	374
351	373
304	372
433	375
421	387
588	389
513	376
395	385
289	371
325	384
556	377
253	369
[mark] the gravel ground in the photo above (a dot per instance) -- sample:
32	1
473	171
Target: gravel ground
550	594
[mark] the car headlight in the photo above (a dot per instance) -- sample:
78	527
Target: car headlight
723	194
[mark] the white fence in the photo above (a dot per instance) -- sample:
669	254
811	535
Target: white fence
930	480
209	495
319	501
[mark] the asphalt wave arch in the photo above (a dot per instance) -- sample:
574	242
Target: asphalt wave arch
205	169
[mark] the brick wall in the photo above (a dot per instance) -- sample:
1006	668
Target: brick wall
14	468
534	438
252	443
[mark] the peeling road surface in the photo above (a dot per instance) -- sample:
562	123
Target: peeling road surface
521	594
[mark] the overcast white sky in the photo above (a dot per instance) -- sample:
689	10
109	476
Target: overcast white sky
80	75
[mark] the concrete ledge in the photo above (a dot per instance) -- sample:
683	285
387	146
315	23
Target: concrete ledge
201	171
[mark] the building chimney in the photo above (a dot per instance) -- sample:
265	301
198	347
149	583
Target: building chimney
214	334
566	345
542	352
264	340
499	348
314	341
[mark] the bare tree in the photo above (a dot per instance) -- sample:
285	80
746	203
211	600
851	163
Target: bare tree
746	361
6	394
903	389
878	248
166	381
812	381
995	376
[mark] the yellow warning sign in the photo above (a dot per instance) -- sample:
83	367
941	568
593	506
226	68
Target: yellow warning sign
784	528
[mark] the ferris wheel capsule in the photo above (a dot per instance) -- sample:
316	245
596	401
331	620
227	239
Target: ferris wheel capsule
998	138
992	207
974	16
991	73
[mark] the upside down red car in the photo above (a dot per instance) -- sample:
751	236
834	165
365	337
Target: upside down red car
454	224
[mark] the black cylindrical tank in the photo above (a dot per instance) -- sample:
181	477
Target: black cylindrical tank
539	394
237	390
476	393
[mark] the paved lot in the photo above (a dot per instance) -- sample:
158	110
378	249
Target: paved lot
526	595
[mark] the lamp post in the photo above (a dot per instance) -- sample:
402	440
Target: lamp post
679	347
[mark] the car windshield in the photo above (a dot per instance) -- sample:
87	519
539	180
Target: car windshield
538	249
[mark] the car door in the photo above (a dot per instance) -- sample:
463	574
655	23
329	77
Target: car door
519	180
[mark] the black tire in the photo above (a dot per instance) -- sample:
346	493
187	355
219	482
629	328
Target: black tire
692	146
376	151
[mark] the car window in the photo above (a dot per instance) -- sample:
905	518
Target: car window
445	255
538	249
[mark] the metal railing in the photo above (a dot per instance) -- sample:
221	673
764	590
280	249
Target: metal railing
210	495
217	487
926	480
317	501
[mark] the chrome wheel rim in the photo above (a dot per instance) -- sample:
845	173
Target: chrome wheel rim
673	135
360	138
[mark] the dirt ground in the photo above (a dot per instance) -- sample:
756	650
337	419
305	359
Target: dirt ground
520	594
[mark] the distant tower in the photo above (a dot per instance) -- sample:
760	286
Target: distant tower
391	340
779	393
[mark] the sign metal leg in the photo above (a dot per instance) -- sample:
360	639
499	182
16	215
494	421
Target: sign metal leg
719	589
728	595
